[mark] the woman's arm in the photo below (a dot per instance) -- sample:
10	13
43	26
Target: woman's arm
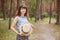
33	26
13	25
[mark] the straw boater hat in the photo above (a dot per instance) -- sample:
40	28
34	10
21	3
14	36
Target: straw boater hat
26	28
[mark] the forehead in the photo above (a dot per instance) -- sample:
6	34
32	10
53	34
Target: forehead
23	7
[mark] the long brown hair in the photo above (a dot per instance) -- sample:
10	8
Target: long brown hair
18	13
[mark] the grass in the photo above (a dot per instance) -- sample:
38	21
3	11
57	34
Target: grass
6	34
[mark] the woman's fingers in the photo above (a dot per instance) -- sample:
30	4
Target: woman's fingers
21	34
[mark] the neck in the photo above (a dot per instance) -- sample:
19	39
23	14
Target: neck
22	15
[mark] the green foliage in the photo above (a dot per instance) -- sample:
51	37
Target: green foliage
32	9
54	14
0	14
45	14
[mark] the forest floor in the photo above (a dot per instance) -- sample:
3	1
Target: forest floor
43	31
46	32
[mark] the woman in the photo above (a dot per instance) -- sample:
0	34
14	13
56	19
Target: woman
21	16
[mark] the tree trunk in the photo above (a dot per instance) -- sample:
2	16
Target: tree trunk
3	9
10	14
54	6
50	12
18	3
58	12
41	10
37	16
6	9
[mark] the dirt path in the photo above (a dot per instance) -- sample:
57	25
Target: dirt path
46	32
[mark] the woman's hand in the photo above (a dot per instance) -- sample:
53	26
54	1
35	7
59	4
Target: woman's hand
21	34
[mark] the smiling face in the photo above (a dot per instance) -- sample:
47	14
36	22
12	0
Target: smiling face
23	11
